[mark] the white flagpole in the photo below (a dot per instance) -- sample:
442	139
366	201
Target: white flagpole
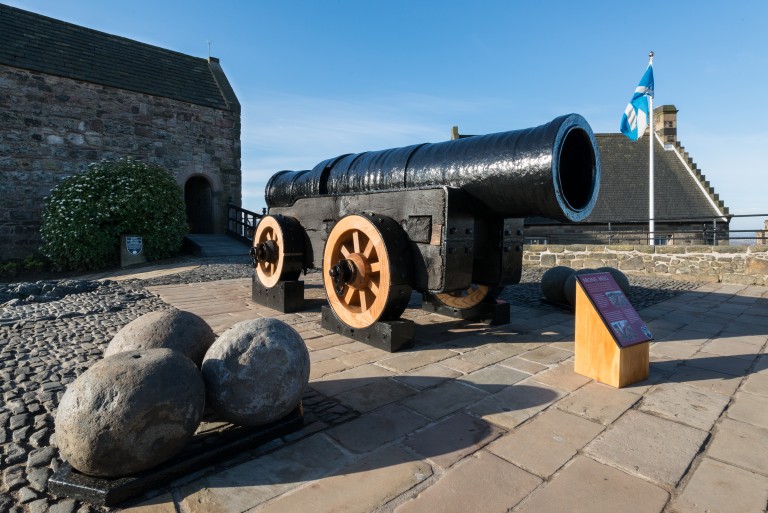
651	226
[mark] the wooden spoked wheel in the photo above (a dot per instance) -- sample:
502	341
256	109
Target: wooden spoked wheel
278	250
468	298
366	269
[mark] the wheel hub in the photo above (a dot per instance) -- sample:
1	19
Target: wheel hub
342	273
265	252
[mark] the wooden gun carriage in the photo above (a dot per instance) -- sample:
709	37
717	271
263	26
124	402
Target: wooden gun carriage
445	219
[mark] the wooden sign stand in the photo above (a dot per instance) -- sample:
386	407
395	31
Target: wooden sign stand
598	355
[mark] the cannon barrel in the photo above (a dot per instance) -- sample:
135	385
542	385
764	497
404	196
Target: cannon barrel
552	171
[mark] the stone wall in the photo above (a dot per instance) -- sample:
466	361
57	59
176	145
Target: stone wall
52	127
746	265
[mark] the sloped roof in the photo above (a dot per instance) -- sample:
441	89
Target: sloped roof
680	190
38	43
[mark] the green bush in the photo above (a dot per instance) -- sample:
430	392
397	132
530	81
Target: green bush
85	215
36	263
9	269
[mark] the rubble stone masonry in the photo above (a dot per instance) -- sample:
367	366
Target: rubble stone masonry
744	265
53	127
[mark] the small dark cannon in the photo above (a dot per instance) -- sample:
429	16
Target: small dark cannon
445	219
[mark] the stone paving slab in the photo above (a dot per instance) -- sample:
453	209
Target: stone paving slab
707	379
516	404
733	365
252	483
655	449
674	349
374	395
717	487
408	361
349	379
743	348
359	488
588	486
598	402
482	483
523	365
371	431
494	378
484	356
160	504
561	376
695	407
451	439
756	384
741	444
444	399
428	376
749	408
546	443
546	355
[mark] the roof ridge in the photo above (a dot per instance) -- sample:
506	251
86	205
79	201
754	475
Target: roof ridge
40	44
101	32
701	177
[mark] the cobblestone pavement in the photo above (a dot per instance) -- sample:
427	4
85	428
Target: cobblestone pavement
472	418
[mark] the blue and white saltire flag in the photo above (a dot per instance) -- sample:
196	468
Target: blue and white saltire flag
635	118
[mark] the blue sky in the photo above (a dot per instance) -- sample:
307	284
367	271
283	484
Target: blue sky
320	78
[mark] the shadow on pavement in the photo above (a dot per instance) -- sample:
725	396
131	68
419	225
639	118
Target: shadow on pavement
432	417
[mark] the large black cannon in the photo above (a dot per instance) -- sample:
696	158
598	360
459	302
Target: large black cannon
443	218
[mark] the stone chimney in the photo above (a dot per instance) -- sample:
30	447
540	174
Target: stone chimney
665	123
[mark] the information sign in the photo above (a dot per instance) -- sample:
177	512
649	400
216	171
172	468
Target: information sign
615	309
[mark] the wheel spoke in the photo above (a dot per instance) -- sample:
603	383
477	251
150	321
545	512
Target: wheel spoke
349	295
272	268
375	267
356	241
363	302
344	251
373	287
368	249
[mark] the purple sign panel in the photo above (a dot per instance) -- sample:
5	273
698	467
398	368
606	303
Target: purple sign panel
613	306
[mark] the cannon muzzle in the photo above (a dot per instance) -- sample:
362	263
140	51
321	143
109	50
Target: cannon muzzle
551	171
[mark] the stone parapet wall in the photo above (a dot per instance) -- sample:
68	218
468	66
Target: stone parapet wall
53	127
745	265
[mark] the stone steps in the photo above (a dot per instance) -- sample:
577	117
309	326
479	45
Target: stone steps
210	245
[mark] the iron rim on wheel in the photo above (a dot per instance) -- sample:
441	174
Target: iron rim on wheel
278	250
467	298
366	269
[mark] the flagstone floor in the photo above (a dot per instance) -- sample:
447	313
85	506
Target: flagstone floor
494	419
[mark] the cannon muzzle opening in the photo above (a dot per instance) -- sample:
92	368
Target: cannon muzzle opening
578	174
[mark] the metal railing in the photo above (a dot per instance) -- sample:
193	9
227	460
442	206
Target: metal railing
241	223
691	231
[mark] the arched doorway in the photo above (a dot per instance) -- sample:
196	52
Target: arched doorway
198	197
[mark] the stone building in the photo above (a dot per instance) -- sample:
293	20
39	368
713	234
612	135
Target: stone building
761	236
70	96
687	209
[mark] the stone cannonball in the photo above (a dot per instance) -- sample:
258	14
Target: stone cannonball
619	277
256	372
130	412
173	329
553	283
570	285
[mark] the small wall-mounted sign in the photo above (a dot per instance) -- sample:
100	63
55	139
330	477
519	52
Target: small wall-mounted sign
134	244
132	250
